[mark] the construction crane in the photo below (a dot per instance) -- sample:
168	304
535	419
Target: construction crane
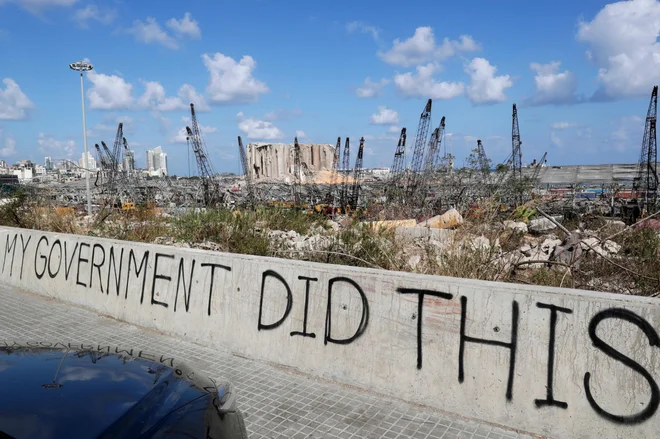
440	138
399	157
357	176
335	167
537	168
516	152
432	156
246	172
210	187
646	182
392	190
418	152
296	171
435	147
482	160
343	197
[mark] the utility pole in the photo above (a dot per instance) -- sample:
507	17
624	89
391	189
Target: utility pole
82	66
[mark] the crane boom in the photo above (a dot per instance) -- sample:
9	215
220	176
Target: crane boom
206	173
357	176
335	167
418	152
344	181
647	174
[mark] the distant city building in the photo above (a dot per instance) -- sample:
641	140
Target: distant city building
24	164
65	165
156	162
23	174
3	164
91	162
48	164
40	170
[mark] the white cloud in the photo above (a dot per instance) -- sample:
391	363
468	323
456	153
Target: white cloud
628	135
622	41
258	129
109	92
371	89
421	48
585	133
186	27
155	98
553	87
164	123
149	32
109	125
182	134
394	129
554	138
37	6
385	116
300	134
13	102
92	12
485	87
562	125
9	146
365	28
282	114
232	81
56	148
422	84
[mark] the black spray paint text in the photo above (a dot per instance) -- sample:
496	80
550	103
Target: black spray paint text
112	269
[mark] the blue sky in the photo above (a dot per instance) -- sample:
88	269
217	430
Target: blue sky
580	72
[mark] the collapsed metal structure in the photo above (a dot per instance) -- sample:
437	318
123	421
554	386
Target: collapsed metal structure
429	184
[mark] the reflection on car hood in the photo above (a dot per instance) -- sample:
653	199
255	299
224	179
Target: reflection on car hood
76	391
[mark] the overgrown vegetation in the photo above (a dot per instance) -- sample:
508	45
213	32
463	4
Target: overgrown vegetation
482	248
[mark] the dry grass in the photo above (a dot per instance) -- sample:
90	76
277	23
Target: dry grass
633	271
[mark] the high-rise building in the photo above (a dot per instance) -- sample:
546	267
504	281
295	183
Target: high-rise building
157	161
48	164
91	162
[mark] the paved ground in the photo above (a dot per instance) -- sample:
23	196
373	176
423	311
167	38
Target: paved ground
277	403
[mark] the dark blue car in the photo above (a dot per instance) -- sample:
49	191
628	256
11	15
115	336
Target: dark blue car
57	390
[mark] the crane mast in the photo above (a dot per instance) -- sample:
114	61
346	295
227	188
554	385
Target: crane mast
537	169
330	198
399	157
437	160
357	176
392	190
516	152
418	152
482	159
206	173
646	183
344	181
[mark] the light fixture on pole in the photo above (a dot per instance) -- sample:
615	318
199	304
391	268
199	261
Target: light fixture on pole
82	66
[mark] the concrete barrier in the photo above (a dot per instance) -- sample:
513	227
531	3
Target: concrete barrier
559	362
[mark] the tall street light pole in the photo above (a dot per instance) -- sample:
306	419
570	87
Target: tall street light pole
82	66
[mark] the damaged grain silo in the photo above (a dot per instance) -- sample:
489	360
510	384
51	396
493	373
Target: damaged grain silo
275	161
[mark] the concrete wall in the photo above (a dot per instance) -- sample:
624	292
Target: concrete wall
559	362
